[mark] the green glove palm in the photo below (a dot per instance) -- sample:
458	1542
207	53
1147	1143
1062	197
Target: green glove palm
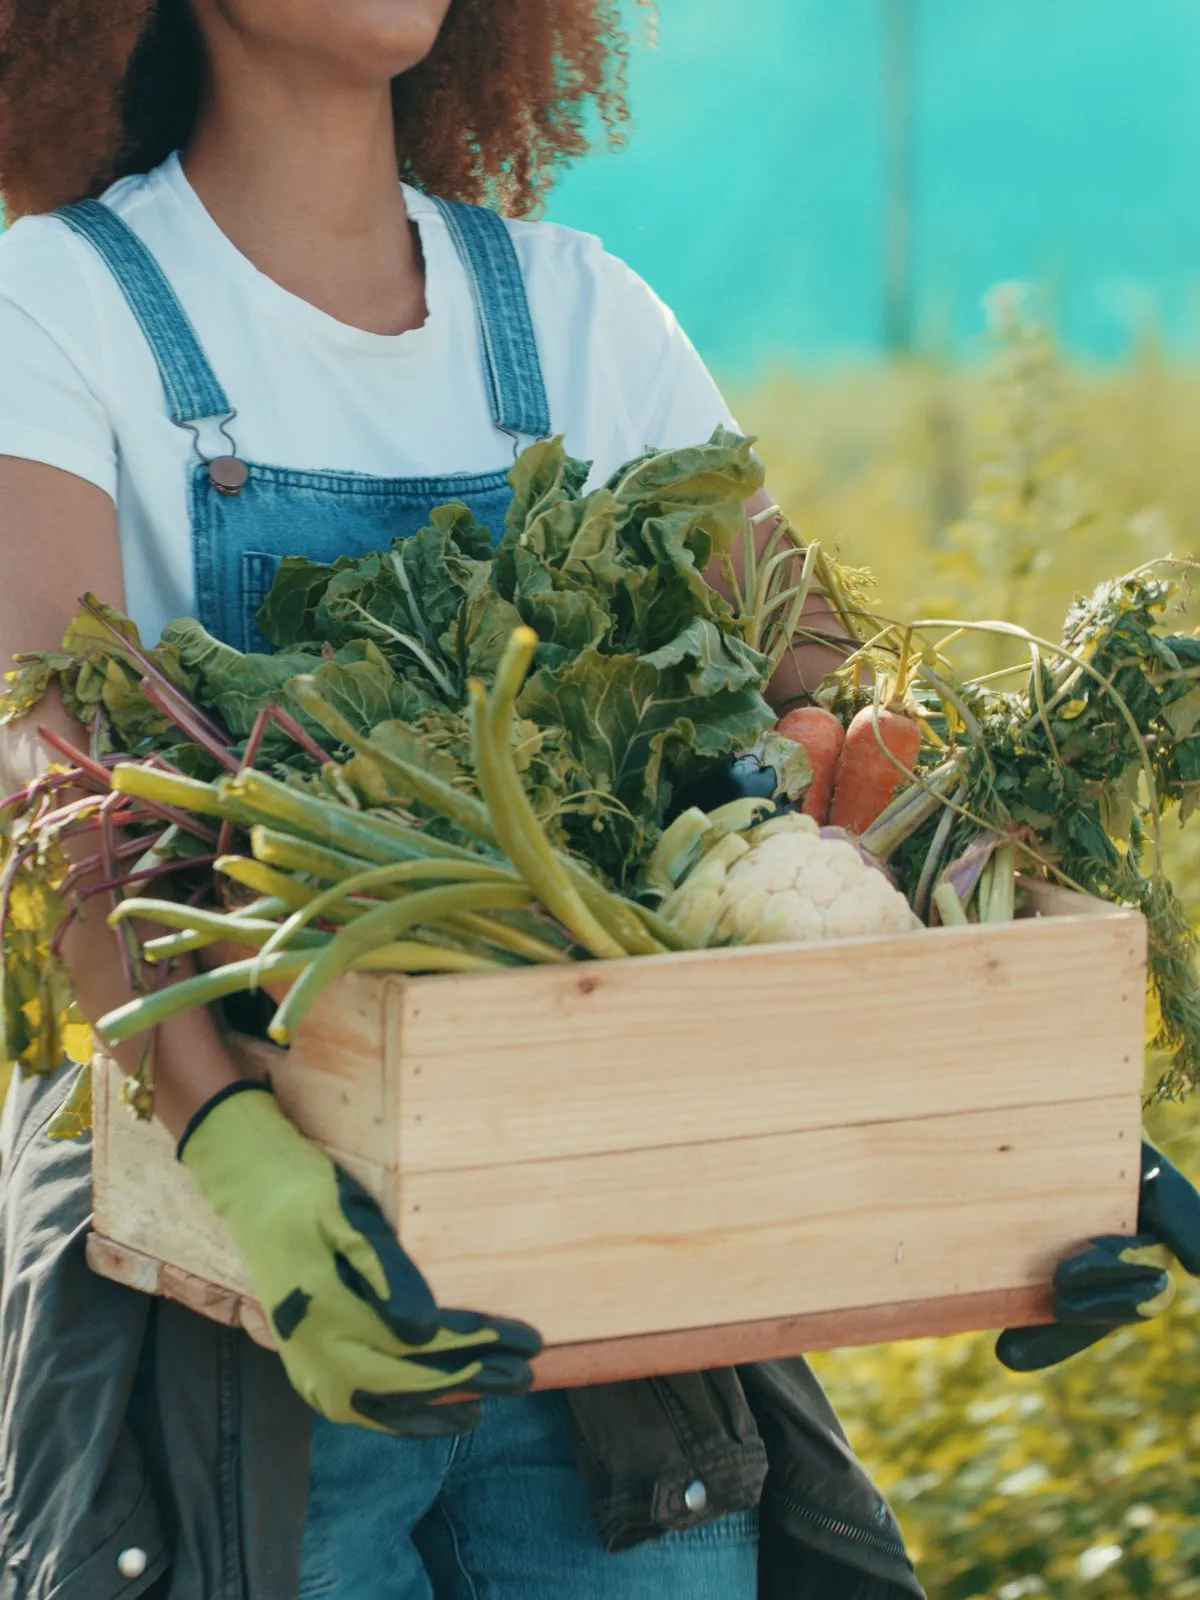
1116	1281
357	1327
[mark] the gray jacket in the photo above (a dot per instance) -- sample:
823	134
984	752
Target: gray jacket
139	1439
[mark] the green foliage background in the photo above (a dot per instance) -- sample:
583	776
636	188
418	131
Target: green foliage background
1003	495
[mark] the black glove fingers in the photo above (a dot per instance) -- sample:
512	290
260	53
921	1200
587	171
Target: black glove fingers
1103	1264
410	1310
407	1328
1115	1305
1170	1209
517	1337
411	1417
1032	1349
498	1374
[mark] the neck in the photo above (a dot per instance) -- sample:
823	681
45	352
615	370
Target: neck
301	177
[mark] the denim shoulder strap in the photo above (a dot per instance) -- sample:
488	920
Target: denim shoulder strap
510	352
189	383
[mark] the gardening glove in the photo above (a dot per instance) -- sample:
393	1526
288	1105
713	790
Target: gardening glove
1116	1281
357	1327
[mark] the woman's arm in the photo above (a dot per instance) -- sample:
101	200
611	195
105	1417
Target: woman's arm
59	538
803	669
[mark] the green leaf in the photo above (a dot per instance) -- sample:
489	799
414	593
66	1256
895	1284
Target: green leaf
288	615
793	769
26	685
622	717
376	599
73	1119
1182	716
1187	759
407	743
438	566
368	693
237	685
542	476
714	478
568	616
711	660
478	635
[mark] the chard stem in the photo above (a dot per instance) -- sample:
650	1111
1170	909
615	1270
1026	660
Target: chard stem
284	850
381	926
518	830
396	873
503	934
377	839
148	1011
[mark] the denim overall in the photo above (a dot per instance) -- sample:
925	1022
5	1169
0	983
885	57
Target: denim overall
247	516
502	1511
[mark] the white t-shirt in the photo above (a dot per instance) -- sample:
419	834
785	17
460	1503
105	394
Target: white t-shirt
79	388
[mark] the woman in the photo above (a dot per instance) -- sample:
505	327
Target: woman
261	343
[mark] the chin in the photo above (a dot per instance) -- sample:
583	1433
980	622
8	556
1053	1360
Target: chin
392	36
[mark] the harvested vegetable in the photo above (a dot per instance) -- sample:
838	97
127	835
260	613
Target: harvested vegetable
789	886
879	756
391	791
822	736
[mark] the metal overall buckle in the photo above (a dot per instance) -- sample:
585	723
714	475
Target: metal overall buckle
228	474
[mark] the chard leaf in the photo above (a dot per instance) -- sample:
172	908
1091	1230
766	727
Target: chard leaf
711	660
366	600
131	716
238	685
288	615
621	716
714	478
26	685
542	476
368	692
438	565
477	637
558	613
375	599
407	743
793	769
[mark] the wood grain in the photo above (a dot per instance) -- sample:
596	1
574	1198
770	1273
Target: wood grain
143	1199
572	1061
808	1145
571	1366
650	1355
700	1235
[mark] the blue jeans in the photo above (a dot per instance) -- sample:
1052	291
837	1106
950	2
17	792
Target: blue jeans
498	1514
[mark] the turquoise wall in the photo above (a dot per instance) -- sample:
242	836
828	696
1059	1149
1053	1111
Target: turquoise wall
1055	140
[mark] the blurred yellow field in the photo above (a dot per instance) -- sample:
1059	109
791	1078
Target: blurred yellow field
1003	496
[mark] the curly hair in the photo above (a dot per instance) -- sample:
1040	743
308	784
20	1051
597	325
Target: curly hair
93	90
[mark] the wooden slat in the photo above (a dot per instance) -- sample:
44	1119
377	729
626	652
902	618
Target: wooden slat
651	1355
703	1235
143	1199
337	1079
566	1061
571	1366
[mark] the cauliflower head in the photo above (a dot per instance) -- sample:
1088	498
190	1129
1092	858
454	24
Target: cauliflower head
796	887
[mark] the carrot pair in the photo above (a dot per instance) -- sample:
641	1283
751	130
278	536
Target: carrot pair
854	779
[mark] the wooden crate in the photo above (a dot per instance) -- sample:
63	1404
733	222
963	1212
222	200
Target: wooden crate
682	1162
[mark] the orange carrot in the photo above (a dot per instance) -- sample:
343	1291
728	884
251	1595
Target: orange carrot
866	778
822	736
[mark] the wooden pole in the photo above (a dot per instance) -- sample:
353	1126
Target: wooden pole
899	22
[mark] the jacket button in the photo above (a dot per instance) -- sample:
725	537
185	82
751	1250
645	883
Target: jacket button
132	1563
695	1496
